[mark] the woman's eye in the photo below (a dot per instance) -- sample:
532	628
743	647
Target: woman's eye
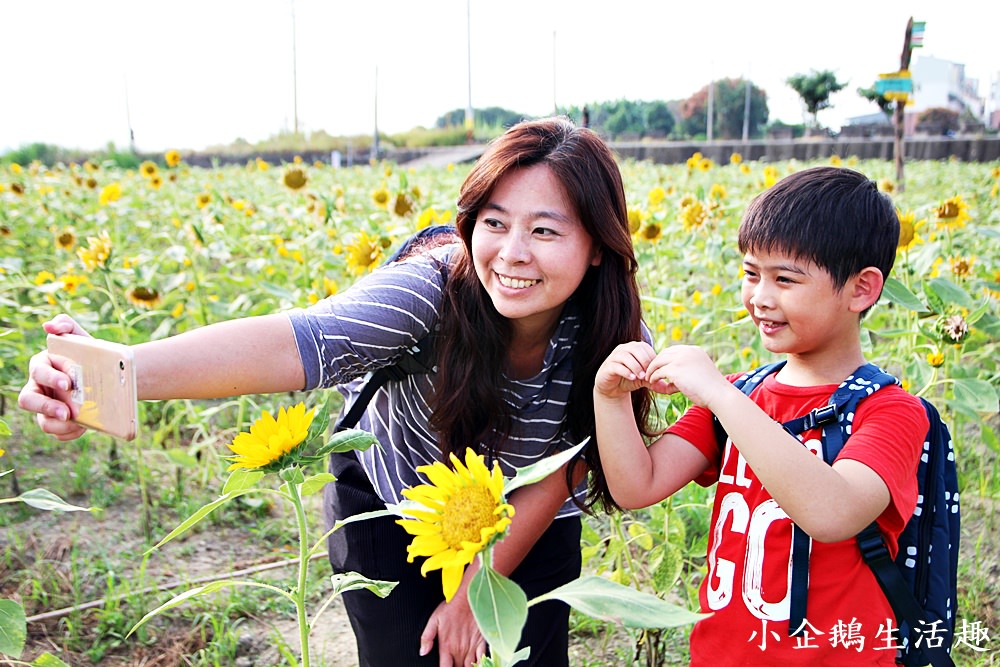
492	222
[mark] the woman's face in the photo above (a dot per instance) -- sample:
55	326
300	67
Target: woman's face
530	249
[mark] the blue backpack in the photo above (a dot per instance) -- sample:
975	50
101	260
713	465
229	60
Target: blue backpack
921	585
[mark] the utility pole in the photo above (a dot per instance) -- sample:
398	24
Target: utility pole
898	116
470	122
375	140
128	120
295	83
746	114
711	111
555	106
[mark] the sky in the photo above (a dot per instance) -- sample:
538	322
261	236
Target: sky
188	74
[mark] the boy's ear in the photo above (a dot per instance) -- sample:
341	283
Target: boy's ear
866	287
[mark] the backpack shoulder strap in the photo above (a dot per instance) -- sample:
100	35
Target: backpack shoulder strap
749	380
417	360
859	385
745	383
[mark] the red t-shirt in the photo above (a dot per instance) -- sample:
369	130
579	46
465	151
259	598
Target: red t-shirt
749	545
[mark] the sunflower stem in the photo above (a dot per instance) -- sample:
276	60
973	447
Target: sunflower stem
300	593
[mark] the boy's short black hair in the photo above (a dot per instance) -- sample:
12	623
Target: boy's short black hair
835	217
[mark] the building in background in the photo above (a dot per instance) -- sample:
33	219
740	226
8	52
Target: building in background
941	83
993	109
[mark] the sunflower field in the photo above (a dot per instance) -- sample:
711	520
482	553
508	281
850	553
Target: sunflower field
144	254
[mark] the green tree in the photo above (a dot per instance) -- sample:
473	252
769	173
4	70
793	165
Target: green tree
887	106
815	90
728	109
658	118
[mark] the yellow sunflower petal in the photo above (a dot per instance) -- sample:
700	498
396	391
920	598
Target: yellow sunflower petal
451	579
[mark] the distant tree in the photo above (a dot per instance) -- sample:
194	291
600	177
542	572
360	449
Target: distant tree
728	106
625	117
659	119
887	106
490	117
938	120
815	90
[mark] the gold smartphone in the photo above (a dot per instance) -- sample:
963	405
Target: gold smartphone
103	395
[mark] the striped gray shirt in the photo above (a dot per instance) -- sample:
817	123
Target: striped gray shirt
373	323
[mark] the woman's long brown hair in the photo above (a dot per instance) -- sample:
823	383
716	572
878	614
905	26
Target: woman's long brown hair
469	407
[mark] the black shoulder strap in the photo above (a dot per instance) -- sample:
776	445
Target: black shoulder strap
417	360
897	591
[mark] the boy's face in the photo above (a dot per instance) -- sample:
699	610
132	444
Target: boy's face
795	306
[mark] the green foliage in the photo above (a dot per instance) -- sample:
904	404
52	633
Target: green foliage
43	153
815	89
488	117
728	110
885	105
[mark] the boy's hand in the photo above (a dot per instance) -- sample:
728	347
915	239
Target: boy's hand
624	370
689	370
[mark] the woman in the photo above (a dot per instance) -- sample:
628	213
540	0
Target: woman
538	292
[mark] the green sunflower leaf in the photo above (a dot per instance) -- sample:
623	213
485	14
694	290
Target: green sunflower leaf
539	471
44	499
13	628
501	609
900	295
315	483
605	600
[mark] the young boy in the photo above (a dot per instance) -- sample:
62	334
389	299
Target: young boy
817	249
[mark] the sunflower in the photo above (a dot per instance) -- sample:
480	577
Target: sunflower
295	179
953	213
634	220
381	198
172	158
770	176
909	227
143	297
656	196
694	215
110	192
271	439
70	281
148	169
403	205
463	512
364	253
203	199
651	232
953	329
961	266
96	253
66	239
735	158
